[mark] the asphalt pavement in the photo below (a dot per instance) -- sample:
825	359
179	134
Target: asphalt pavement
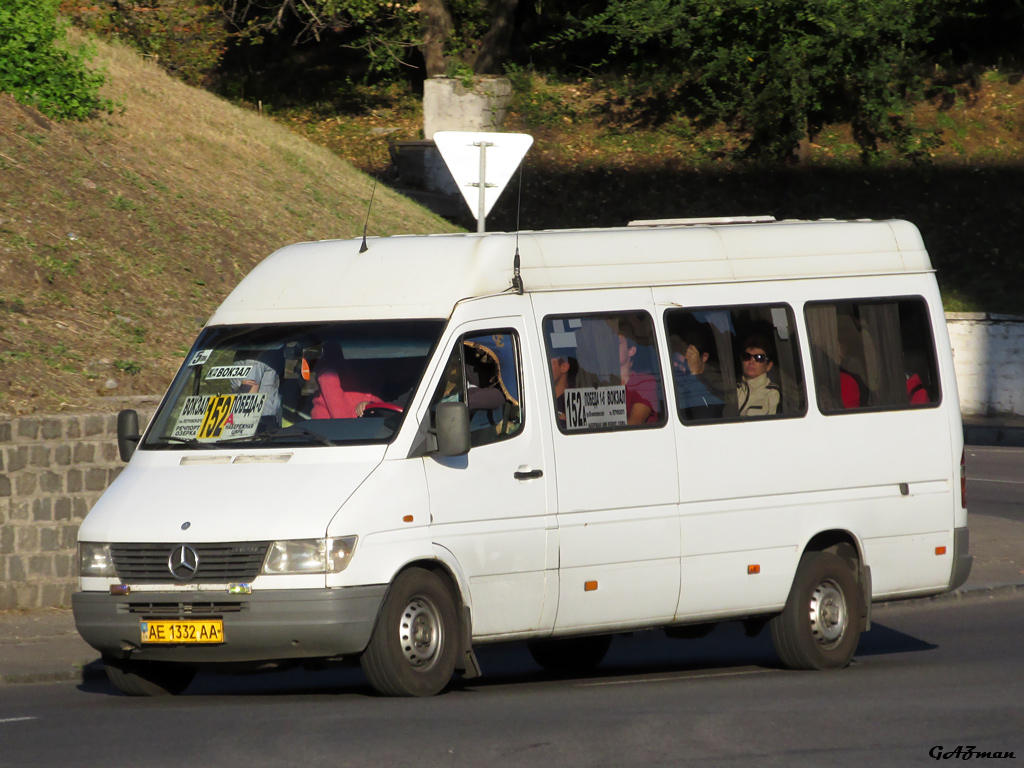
43	645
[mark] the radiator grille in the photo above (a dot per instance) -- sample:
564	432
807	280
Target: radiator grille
215	563
212	608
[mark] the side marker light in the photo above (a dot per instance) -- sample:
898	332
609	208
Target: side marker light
589	586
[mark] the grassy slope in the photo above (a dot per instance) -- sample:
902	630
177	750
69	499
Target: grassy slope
119	236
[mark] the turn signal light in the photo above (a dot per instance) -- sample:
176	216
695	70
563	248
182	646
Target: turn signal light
120	589
752	569
589	586
407	519
940	550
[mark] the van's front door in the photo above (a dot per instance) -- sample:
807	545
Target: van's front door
493	508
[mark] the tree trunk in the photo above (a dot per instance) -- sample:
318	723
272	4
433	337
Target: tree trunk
495	43
437	27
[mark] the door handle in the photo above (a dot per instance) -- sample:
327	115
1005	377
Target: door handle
523	473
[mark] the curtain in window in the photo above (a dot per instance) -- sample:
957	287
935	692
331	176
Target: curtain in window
823	333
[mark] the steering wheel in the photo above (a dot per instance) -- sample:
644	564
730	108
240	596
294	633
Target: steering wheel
378	408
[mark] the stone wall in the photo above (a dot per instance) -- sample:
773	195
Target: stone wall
52	470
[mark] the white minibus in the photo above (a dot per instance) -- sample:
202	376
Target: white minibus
399	449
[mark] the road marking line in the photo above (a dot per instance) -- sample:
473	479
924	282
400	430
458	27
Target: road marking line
17	719
681	676
987	480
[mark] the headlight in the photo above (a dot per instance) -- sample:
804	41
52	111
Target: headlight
310	555
94	559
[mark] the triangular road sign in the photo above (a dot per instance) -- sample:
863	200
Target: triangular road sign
498	155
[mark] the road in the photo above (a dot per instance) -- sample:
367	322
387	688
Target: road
995	482
927	675
943	675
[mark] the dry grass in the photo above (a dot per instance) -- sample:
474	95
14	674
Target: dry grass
120	235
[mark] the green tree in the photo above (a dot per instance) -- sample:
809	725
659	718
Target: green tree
37	68
778	69
449	34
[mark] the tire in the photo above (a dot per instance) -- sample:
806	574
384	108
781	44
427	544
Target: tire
822	621
573	656
416	639
148	678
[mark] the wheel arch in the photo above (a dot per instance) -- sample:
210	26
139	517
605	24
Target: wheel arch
847	546
839	542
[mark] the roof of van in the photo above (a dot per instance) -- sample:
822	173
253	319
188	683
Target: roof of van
427	275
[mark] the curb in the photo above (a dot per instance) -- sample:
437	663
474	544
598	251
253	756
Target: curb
964	594
999	437
79	673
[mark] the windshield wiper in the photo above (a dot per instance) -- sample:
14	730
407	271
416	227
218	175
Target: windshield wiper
295	430
187	441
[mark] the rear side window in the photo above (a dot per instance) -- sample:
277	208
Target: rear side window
737	362
605	373
872	354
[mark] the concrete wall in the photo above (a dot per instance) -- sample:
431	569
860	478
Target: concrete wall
448	105
988	353
54	468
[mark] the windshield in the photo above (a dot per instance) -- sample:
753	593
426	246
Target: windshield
313	384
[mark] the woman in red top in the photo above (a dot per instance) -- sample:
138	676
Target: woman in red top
336	396
641	388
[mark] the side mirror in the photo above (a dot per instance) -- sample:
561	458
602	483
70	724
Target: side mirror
127	433
452	423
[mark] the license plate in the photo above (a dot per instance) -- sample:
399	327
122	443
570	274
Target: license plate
209	631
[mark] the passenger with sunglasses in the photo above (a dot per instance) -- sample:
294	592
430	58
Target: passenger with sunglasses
756	393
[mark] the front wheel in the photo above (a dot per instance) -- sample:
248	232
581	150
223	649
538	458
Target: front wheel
415	642
821	624
148	678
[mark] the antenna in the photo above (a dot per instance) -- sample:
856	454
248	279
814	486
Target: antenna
363	248
517	279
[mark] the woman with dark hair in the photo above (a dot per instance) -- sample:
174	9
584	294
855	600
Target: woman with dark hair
756	393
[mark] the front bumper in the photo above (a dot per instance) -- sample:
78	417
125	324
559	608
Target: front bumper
264	626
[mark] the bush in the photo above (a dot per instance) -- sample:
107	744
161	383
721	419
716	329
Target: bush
36	69
188	38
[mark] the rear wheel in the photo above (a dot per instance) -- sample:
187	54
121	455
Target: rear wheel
821	623
573	655
415	643
148	678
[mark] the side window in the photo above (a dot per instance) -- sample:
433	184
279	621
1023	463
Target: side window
605	372
735	363
870	353
483	371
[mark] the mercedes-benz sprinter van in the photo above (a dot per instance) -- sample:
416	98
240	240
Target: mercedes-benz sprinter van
398	449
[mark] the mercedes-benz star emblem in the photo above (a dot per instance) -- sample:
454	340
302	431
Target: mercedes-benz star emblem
183	562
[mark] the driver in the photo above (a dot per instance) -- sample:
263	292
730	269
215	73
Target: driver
338	395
